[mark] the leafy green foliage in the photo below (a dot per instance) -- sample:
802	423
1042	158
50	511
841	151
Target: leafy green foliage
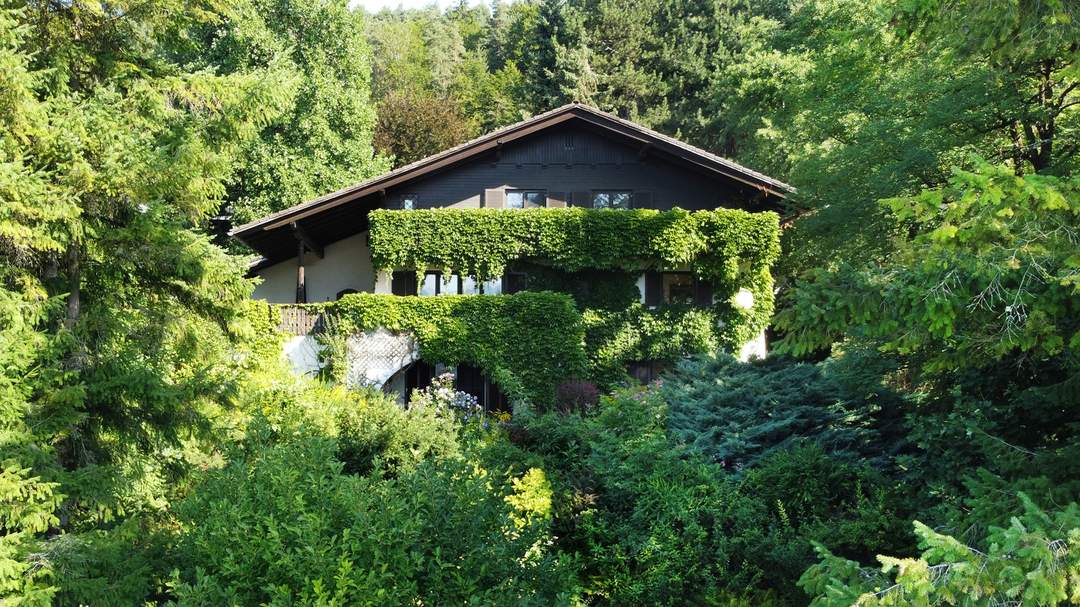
739	414
614	338
130	357
647	520
286	525
322	140
731	249
991	270
378	437
123	326
806	496
725	246
1029	561
412	126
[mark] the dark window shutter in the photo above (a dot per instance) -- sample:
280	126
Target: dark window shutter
582	199
702	293
495	198
642	200
556	200
403	283
654	288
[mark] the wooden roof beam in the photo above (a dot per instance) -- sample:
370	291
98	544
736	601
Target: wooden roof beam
309	242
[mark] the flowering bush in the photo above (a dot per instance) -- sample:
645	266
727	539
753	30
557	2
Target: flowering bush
441	397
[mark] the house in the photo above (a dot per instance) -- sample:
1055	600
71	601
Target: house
571	157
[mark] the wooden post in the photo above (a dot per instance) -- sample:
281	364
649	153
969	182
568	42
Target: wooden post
301	288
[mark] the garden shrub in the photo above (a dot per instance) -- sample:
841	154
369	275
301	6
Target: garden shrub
576	395
124	565
1029	560
286	525
381	437
738	414
807	497
649	521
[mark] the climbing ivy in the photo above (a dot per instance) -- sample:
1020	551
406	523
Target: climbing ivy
582	316
620	330
727	247
526	343
595	255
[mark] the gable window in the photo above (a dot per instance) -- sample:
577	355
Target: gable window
409	201
611	199
525	199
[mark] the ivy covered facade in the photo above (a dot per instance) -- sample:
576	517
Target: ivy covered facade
574	245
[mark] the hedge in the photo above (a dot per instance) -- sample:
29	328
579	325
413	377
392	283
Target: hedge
526	343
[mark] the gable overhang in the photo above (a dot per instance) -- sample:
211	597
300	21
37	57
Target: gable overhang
344	212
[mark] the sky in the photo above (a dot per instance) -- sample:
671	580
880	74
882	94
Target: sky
376	5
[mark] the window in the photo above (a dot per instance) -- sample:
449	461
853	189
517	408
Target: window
403	283
678	288
469	286
437	284
611	199
409	201
525	199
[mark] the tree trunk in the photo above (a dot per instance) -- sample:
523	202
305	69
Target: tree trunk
74	272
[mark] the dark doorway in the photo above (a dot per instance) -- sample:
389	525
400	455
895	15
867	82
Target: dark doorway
417	377
472	380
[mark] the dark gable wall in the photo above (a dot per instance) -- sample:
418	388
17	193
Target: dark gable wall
572	159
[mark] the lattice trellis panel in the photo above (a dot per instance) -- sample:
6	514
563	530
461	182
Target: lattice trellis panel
372	358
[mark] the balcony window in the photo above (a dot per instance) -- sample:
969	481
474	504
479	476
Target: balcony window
437	284
525	199
611	199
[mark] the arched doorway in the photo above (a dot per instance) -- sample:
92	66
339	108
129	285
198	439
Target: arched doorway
419	374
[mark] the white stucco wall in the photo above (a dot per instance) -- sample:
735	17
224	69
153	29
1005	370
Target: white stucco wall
346	265
302	352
